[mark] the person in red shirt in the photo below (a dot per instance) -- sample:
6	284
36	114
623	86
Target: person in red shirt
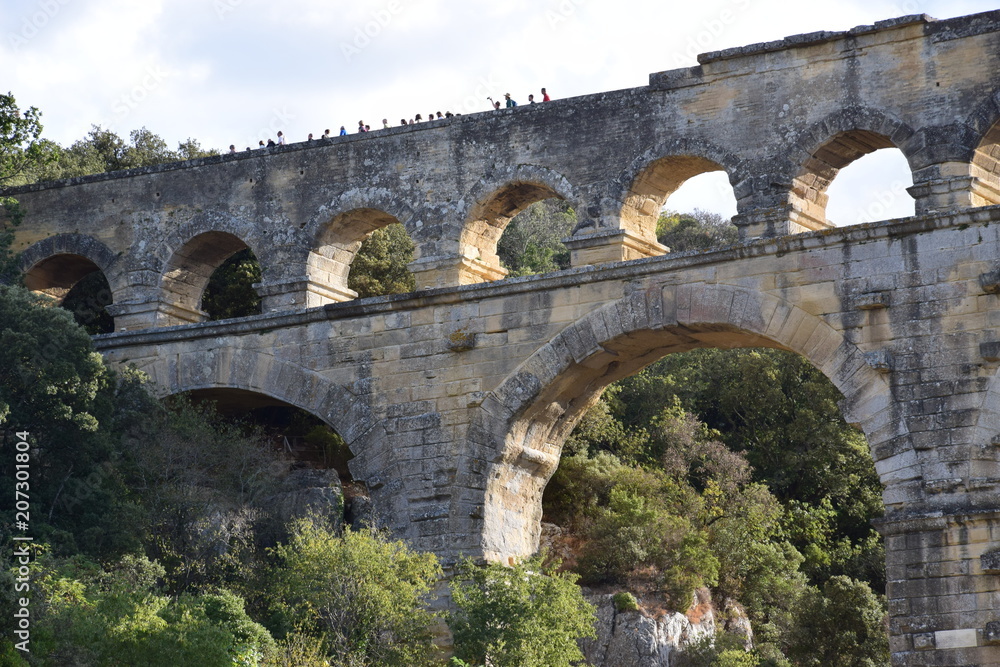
545	96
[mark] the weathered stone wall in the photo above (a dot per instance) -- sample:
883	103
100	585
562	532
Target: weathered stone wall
456	401
780	119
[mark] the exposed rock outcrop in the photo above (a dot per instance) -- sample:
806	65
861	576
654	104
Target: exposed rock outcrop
307	491
635	639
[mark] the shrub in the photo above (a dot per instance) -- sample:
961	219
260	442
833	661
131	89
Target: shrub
526	615
362	593
625	601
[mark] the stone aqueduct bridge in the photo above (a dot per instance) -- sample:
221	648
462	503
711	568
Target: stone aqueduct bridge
456	399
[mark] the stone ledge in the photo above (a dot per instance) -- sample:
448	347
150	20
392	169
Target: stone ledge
810	38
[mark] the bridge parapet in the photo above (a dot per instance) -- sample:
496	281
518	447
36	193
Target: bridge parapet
780	119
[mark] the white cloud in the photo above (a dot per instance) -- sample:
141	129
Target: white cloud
224	71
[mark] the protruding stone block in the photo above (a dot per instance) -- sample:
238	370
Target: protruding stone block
991	563
879	360
450	271
871	301
613	245
990	351
991	634
990	281
924	641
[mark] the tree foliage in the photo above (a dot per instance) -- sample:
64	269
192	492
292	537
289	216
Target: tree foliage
118	616
699	230
21	148
380	266
104	150
732	469
360	592
230	291
532	240
525	615
841	625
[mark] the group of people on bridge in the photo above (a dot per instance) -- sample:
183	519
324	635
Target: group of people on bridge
363	127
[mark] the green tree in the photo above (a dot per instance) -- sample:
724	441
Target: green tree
363	594
790	429
526	615
230	291
844	625
379	267
54	385
191	149
116	616
21	149
103	150
532	241
695	231
22	153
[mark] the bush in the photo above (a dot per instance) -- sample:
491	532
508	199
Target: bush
362	593
625	601
527	615
118	617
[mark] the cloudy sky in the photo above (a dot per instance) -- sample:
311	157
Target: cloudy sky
235	71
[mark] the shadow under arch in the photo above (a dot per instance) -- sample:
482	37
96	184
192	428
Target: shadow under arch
187	272
828	146
643	188
185	261
78	272
343	408
495	200
53	265
522	424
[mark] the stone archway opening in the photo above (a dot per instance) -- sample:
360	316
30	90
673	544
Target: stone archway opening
532	241
360	253
77	284
884	180
188	272
230	290
683	179
675	503
873	187
490	218
986	169
295	432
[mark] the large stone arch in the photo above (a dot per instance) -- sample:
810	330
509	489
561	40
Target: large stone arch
53	265
819	153
490	204
521	424
639	193
184	262
345	408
